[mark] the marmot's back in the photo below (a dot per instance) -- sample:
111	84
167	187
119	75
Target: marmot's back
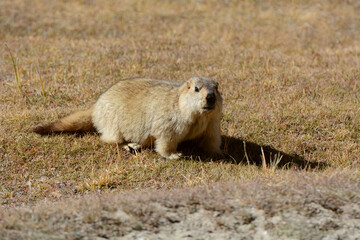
132	106
142	93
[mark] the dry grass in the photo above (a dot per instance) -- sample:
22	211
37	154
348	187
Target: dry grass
288	70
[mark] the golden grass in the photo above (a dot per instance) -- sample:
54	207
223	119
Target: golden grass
288	72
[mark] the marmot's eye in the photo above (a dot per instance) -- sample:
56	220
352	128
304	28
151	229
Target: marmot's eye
196	89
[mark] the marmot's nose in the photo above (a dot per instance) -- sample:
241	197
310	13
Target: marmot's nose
210	98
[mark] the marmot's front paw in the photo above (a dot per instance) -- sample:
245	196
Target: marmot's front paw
175	156
132	147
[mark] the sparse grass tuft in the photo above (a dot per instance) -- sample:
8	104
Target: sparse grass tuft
44	93
16	70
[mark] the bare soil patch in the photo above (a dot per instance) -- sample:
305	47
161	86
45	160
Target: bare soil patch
302	206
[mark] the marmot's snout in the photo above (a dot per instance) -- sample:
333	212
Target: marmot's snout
210	101
210	98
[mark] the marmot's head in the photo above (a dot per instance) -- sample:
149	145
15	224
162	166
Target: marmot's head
200	94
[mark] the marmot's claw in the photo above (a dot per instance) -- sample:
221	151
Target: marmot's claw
132	147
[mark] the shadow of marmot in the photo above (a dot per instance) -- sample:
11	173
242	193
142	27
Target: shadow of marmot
240	151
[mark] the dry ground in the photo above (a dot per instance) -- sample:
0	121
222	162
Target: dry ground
289	72
303	207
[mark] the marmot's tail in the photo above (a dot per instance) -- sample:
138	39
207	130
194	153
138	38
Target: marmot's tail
79	121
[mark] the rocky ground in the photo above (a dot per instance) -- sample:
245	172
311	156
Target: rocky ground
301	206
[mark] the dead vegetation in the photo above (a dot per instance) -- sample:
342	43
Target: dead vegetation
288	71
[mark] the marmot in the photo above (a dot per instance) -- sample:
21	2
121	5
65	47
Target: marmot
139	112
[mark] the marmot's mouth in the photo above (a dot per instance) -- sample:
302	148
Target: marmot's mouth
208	108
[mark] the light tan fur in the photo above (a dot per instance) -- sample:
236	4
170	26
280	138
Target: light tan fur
76	122
146	111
